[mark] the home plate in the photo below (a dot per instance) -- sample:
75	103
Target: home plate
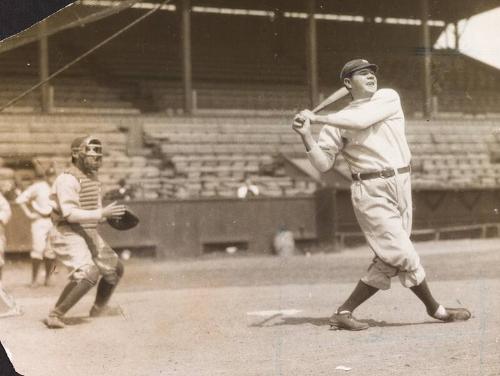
283	312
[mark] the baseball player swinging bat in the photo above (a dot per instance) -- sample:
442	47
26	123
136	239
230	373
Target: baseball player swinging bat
334	97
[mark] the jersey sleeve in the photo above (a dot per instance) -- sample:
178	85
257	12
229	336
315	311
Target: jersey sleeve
322	154
26	196
382	105
66	190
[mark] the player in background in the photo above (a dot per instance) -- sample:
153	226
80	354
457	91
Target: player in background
35	203
5	214
76	211
370	134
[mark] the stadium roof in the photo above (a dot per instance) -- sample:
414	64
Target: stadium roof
83	12
446	10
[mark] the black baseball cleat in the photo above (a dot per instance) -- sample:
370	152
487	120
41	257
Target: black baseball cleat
345	320
457	314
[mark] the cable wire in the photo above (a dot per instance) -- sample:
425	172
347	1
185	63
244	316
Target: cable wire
84	55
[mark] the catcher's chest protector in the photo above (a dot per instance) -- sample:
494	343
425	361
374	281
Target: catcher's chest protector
89	195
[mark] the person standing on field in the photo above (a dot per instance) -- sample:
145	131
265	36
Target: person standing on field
35	203
76	212
370	134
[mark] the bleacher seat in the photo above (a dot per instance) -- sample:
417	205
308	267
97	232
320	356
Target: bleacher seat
446	154
209	156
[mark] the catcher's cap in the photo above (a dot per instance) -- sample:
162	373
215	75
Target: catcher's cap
75	145
355	65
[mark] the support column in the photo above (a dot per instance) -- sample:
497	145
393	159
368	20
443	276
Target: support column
187	67
43	56
457	36
312	54
427	48
279	30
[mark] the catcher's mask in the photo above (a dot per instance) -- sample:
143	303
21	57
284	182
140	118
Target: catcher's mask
86	153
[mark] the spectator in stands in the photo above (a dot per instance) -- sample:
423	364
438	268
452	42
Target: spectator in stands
248	189
181	192
35	203
125	192
5	214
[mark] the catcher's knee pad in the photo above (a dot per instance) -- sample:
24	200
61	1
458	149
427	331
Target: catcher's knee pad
114	277
89	273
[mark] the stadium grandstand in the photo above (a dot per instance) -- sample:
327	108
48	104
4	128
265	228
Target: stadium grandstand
192	97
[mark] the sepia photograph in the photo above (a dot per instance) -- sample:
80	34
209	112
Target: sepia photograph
249	187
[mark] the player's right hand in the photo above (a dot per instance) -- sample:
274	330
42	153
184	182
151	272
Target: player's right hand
301	126
113	210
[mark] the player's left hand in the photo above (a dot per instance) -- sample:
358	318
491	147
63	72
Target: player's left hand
113	210
308	114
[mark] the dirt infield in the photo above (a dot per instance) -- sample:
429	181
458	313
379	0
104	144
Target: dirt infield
266	316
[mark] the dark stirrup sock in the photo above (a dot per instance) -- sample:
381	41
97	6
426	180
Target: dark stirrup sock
361	293
104	292
424	294
71	294
35	267
106	289
50	265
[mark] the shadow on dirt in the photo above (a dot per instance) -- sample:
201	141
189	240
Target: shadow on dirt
78	320
383	324
323	321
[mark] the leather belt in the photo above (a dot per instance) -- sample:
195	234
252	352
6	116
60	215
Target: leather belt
390	172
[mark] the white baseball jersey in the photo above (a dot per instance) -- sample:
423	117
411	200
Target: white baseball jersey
38	196
370	134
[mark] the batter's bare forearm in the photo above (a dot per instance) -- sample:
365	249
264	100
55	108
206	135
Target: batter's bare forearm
308	141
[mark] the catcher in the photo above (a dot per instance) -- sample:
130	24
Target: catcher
77	210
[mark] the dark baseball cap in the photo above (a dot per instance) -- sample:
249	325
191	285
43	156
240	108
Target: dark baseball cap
355	65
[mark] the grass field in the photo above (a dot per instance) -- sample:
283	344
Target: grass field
263	315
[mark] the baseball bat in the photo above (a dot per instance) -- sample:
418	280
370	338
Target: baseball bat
332	98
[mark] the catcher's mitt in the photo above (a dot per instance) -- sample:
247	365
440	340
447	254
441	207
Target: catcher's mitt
125	222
